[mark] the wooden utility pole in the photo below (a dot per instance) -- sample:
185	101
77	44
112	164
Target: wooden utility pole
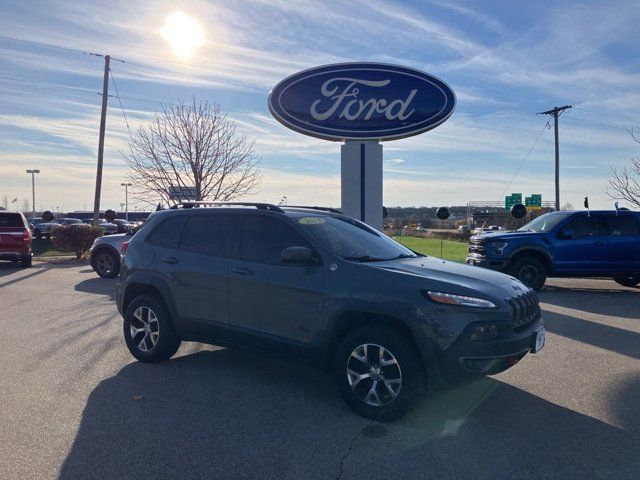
103	122
555	112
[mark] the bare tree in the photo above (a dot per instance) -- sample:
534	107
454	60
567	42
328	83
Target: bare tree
192	145
567	206
25	205
625	184
5	202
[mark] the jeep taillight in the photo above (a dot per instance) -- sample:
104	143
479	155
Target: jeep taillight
123	248
26	235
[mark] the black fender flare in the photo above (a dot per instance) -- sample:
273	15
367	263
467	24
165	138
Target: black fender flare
538	249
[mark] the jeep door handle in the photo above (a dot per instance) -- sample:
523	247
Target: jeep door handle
242	271
599	243
170	260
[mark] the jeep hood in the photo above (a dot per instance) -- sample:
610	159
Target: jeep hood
446	271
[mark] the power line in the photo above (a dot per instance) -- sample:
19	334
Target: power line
47	84
113	80
48	45
544	127
634	120
617	127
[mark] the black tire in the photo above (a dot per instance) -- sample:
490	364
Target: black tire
530	271
629	280
25	262
409	368
167	341
106	263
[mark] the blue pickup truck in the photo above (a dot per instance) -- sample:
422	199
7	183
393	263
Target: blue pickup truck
565	244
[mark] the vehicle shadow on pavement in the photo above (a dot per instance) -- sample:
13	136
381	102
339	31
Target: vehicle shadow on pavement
98	286
612	302
228	414
10	268
609	337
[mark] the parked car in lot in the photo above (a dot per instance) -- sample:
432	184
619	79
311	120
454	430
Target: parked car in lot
123	225
34	222
104	254
565	244
15	238
106	227
319	286
44	228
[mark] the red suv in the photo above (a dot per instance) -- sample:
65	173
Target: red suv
15	238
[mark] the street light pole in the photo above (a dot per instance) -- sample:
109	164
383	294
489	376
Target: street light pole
126	199
33	191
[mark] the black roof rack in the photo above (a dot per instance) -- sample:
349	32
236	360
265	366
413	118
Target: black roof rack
324	209
259	206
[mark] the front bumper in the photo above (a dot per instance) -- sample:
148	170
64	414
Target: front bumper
487	357
492	263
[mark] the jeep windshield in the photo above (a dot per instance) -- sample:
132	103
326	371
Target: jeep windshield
352	240
544	223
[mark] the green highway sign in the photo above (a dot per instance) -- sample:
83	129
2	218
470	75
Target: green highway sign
511	200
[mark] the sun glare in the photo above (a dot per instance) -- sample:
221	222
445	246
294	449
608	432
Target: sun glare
183	33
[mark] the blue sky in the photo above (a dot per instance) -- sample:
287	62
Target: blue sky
505	60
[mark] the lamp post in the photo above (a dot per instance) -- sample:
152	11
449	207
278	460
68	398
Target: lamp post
126	199
33	191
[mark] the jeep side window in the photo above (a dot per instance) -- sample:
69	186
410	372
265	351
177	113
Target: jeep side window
584	226
262	239
167	234
622	225
208	235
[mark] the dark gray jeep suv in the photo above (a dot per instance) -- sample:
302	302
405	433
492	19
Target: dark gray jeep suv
312	284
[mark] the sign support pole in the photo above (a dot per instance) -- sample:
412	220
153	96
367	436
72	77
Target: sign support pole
361	186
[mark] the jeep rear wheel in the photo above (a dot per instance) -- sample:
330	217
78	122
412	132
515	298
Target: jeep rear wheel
629	280
530	271
379	373
148	330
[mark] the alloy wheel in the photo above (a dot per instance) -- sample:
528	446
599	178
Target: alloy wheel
105	264
374	375
144	328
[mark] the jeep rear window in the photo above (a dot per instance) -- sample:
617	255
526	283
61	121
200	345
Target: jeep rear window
167	234
11	220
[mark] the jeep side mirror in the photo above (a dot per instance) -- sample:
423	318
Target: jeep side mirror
298	256
565	234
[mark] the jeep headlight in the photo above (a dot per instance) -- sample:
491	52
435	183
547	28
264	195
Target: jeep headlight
460	300
498	247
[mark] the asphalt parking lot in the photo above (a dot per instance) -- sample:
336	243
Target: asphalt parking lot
75	404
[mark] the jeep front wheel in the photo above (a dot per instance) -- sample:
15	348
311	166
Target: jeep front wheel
379	373
530	271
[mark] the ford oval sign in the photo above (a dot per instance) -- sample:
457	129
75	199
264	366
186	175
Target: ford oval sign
361	101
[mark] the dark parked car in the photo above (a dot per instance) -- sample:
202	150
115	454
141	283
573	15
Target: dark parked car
15	238
565	244
321	287
44	228
122	224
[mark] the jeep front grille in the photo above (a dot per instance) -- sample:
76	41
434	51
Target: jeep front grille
524	309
